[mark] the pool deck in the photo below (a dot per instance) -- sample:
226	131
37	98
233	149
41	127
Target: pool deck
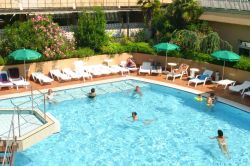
209	87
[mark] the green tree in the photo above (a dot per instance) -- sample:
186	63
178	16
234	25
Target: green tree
210	43
180	14
90	31
186	39
149	7
38	33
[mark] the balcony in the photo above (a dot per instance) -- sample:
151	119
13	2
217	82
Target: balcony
44	5
240	5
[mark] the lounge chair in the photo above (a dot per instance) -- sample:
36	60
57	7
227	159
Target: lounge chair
16	79
93	70
145	68
56	73
156	70
4	80
71	73
240	88
41	78
246	93
80	69
201	78
178	72
120	69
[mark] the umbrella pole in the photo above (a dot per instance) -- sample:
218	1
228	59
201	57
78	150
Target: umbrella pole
166	60
223	70
24	68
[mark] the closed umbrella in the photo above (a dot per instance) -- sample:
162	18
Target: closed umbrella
166	47
24	55
225	56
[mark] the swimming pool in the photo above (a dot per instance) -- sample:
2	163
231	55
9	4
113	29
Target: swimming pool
99	132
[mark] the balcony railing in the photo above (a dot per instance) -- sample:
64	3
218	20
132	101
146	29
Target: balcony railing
73	4
242	5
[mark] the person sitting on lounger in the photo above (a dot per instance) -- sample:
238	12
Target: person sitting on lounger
92	93
222	143
130	63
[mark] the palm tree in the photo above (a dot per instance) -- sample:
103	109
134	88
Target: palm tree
148	8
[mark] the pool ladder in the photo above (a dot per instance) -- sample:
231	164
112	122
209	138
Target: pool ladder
7	152
9	147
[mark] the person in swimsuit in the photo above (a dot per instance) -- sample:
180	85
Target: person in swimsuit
130	63
138	90
198	97
92	93
134	116
211	100
222	143
50	96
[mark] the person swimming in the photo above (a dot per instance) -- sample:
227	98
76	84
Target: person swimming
92	93
134	116
211	100
138	90
198	98
222	143
50	95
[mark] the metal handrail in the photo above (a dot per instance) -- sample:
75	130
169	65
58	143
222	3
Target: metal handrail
11	129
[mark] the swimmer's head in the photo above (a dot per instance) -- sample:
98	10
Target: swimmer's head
134	114
93	90
50	91
137	88
199	95
211	94
220	133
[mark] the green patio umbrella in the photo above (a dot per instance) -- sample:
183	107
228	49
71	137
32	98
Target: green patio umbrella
166	47
225	56
24	55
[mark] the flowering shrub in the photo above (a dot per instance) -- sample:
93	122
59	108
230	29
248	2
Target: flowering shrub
40	34
55	41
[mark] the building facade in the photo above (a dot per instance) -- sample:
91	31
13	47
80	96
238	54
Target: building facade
231	19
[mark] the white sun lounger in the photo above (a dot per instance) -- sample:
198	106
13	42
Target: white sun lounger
120	69
71	73
80	69
246	93
178	72
16	79
4	80
145	68
41	78
94	70
56	73
201	78
240	88
156	70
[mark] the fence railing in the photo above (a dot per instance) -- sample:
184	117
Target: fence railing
44	4
242	5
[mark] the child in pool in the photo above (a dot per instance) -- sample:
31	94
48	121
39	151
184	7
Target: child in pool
92	93
222	143
138	90
134	116
199	98
211	100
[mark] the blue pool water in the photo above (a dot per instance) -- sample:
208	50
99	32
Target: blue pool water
99	132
